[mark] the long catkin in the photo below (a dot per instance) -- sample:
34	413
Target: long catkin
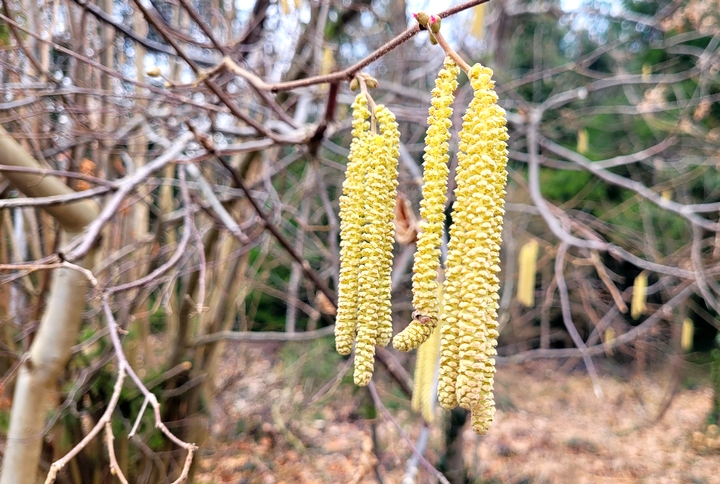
375	206
432	210
389	162
467	363
351	222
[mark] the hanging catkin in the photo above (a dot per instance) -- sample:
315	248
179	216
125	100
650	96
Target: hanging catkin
432	210
637	306
425	365
388	161
688	333
526	275
467	363
367	210
351	221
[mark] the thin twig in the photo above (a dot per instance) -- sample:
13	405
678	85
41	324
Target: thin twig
687	289
264	336
451	52
114	466
348	73
427	465
127	185
58	465
567	317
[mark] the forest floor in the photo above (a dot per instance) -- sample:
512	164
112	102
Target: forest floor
284	415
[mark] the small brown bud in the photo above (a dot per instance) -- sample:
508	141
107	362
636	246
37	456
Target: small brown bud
354	84
154	71
421	318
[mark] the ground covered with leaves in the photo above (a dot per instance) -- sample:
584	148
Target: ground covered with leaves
286	414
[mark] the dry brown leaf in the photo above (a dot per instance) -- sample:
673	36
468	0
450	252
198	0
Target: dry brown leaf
406	226
87	168
323	304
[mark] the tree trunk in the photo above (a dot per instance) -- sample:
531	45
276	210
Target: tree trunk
453	463
58	329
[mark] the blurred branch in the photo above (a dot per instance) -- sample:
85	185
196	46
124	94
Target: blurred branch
264	336
663	312
349	72
567	318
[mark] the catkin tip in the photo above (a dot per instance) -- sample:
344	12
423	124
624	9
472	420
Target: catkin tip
413	336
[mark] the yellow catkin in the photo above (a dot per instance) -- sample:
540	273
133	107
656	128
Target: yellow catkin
467	363
609	338
425	364
478	26
583	141
637	307
389	162
328	61
369	300
646	72
526	277
374	315
688	333
432	210
285	7
351	221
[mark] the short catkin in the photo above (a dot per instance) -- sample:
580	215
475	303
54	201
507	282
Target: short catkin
432	210
637	305
687	335
526	277
469	335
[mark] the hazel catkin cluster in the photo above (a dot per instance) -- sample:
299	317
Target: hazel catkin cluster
366	228
468	314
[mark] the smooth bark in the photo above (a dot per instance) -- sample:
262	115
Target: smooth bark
59	328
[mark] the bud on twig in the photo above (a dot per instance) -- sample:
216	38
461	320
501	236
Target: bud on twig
422	19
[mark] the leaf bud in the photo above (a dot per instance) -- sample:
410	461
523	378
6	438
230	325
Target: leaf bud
422	18
434	24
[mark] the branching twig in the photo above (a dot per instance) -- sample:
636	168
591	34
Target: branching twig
348	73
114	466
567	317
58	465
